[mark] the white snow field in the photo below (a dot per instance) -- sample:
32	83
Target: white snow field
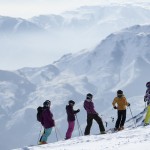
128	139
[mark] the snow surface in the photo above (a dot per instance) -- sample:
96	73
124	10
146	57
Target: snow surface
128	139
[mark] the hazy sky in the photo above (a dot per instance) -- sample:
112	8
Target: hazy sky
28	8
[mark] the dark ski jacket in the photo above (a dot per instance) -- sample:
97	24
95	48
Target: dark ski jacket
47	118
71	113
89	107
147	96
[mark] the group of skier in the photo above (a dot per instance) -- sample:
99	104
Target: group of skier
120	103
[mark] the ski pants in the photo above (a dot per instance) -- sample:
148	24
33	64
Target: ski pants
121	119
147	118
70	129
45	134
90	118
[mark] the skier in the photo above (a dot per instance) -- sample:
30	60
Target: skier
121	107
92	114
147	99
71	118
47	122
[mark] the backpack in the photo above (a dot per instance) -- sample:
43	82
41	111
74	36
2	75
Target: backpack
39	113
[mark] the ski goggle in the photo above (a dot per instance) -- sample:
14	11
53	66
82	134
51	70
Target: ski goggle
119	95
72	104
47	103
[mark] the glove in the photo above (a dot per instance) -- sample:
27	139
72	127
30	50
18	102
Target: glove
115	107
54	123
128	104
145	99
78	110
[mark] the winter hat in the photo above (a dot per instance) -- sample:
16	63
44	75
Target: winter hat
89	96
119	93
148	84
47	103
71	102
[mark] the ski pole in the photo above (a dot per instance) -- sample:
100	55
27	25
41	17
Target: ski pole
145	100
56	134
145	106
59	132
79	128
39	136
132	117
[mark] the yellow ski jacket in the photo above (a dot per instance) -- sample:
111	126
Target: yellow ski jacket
121	103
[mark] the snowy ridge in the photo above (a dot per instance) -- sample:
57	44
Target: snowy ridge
39	75
17	25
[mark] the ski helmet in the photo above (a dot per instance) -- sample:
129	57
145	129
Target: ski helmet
119	93
89	96
47	103
148	84
71	102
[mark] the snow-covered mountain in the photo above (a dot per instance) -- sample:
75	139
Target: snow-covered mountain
9	25
96	21
75	30
120	61
86	20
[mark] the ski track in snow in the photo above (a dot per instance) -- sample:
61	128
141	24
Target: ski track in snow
127	139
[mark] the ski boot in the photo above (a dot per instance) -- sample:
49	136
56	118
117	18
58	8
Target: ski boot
146	124
116	129
121	128
42	142
103	132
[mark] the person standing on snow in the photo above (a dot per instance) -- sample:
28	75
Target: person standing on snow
46	121
71	118
147	99
121	102
92	114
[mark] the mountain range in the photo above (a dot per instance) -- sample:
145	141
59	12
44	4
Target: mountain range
76	30
120	61
113	43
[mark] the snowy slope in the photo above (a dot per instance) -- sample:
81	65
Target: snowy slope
40	75
120	61
129	139
14	89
